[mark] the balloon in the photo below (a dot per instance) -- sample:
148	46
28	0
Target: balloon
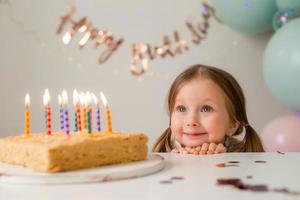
288	4
246	16
281	64
282	134
282	17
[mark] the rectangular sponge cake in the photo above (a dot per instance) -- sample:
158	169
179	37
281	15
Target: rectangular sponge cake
57	152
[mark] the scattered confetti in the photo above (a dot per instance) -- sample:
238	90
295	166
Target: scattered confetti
260	161
233	162
177	178
222	165
237	183
166	182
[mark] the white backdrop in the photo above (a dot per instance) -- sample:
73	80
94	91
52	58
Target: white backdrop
32	58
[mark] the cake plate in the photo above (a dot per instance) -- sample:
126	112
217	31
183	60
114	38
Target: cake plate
20	175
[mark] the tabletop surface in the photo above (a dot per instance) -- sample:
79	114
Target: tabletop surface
197	176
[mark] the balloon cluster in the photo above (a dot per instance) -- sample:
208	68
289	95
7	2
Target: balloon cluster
281	62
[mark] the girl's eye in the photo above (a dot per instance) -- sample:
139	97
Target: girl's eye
206	108
180	109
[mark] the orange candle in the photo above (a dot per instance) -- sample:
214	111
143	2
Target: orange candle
108	116
48	113
27	115
84	104
76	100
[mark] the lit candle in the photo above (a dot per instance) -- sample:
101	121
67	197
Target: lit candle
27	115
89	111
77	111
65	105
61	113
84	104
96	102
46	100
108	117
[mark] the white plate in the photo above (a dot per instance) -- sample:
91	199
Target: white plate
20	175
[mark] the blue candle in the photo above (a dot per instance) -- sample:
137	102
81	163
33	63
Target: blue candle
61	114
66	117
96	102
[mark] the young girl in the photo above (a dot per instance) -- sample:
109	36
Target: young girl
207	109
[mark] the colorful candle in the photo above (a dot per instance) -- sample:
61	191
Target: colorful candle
27	115
65	105
77	114
96	102
89	111
46	100
61	113
84	104
108	116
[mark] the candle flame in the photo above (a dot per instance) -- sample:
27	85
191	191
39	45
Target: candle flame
46	98
27	100
59	100
75	97
95	99
82	98
104	100
64	97
88	98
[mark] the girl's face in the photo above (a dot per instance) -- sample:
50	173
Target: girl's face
199	114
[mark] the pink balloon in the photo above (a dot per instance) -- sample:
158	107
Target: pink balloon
282	134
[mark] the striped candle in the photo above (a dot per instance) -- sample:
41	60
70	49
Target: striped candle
48	114
76	102
96	102
27	115
89	112
78	111
108	115
61	113
66	116
83	102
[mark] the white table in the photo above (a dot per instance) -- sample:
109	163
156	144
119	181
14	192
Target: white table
200	174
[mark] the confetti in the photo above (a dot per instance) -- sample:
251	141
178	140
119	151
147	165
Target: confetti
177	178
229	181
237	183
222	165
233	162
260	161
280	152
165	182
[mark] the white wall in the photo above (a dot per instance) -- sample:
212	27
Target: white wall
33	58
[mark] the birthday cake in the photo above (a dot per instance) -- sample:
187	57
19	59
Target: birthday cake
57	152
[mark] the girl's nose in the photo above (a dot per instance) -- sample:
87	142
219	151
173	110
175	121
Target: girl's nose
192	121
193	124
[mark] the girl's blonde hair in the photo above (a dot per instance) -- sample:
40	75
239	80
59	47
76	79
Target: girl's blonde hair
235	104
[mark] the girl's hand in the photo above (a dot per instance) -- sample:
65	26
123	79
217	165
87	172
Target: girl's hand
212	148
206	148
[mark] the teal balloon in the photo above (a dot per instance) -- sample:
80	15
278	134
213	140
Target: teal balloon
282	17
249	16
288	4
281	64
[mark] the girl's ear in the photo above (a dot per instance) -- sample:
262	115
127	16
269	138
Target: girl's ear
232	128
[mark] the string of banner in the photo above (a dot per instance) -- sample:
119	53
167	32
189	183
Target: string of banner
141	52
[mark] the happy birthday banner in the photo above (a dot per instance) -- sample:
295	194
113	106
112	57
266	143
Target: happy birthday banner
142	52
